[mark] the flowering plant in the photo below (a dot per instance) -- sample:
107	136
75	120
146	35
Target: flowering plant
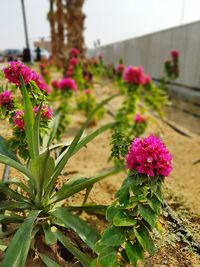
137	87
172	66
63	92
140	124
134	213
11	107
87	102
35	205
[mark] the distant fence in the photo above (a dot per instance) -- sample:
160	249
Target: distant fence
153	49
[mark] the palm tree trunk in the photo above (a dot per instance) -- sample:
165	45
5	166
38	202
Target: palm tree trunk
75	25
60	29
51	18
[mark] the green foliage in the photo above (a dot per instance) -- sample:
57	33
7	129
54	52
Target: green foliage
35	203
119	145
132	218
16	254
86	103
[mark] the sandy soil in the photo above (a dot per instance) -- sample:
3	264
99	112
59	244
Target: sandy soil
182	186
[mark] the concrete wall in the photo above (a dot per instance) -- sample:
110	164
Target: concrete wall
152	50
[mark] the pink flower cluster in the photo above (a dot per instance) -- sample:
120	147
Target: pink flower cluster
46	112
136	76
139	118
15	70
55	84
73	61
70	71
18	119
74	52
175	55
39	80
149	156
5	98
67	84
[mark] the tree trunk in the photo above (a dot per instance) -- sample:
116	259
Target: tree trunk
60	29
51	18
75	25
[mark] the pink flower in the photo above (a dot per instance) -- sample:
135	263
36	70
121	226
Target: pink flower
39	80
5	98
18	119
120	68
45	112
73	61
70	70
134	75
67	84
15	70
149	156
55	84
87	91
74	52
175	55
45	72
139	118
147	79
42	66
69	73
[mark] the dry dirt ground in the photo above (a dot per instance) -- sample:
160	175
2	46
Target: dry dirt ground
182	187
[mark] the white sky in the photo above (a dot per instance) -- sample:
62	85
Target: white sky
107	20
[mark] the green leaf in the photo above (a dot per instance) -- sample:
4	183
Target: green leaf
14	205
123	219
5	150
144	238
74	186
154	203
112	237
50	238
111	212
53	126
63	159
84	230
28	120
18	248
108	257
60	145
11	193
68	244
10	219
42	168
159	194
36	129
49	262
147	214
18	166
35	88
134	252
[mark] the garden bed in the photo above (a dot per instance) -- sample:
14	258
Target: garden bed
182	187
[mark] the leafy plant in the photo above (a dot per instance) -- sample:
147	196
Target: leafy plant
35	203
86	102
134	213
